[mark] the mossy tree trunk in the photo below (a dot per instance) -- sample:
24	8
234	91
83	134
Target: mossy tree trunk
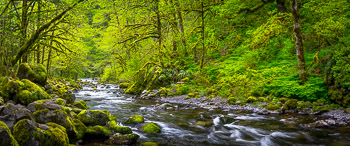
299	41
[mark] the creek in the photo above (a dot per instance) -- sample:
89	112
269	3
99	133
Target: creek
210	127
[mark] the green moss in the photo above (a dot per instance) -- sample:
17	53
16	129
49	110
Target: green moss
231	100
181	89
21	132
80	127
119	129
134	120
251	99
56	135
151	128
163	91
282	100
123	85
95	117
1	101
80	104
34	72
150	144
59	101
98	131
272	107
185	80
13	140
132	89
262	99
290	104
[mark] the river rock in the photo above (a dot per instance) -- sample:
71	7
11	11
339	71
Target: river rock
27	132
44	104
134	120
6	138
97	132
120	139
57	116
10	113
95	117
151	128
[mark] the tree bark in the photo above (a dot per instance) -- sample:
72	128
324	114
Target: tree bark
203	37
181	26
24	24
298	42
281	7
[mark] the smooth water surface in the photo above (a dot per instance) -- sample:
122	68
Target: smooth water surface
185	126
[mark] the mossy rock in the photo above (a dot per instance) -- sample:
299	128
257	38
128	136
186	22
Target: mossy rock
30	92
231	100
80	104
80	128
163	91
57	116
95	117
97	131
282	100
272	106
123	139
119	129
193	95
204	123
6	138
290	104
27	132
135	120
303	105
262	99
123	85
151	128
251	99
60	101
33	72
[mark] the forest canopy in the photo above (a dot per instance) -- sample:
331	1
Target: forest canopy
273	48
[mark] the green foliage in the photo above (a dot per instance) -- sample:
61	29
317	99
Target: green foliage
231	100
251	99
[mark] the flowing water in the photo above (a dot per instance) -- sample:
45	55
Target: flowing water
185	126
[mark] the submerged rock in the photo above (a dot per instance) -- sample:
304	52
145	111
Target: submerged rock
204	123
27	132
33	72
151	128
6	138
120	139
11	114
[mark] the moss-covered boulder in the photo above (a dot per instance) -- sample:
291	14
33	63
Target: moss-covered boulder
6	138
97	131
11	114
29	93
150	144
134	120
231	100
272	106
95	117
119	129
282	100
290	104
204	123
57	116
251	99
123	139
262	99
151	128
27	132
123	85
80	128
33	72
80	104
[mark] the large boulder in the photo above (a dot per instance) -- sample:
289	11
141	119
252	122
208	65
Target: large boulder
95	117
27	132
6	138
97	132
33	72
134	120
11	114
57	116
119	129
21	91
44	104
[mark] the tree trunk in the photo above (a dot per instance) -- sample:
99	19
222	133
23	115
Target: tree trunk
203	37
38	25
24	25
298	42
281	7
181	26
